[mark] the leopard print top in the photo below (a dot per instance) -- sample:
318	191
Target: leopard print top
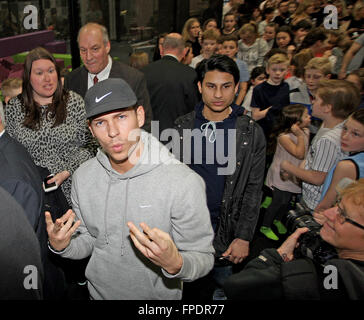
61	148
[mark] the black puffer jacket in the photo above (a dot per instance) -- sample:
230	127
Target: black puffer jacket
243	189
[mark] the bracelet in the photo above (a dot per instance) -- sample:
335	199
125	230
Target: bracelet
54	250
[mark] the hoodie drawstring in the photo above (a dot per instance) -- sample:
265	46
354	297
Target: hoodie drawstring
123	216
105	214
205	127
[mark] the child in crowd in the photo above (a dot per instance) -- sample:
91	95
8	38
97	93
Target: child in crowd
10	88
257	76
272	95
300	31
297	68
288	141
284	40
352	141
219	49
230	49
334	101
208	44
315	41
269	34
191	32
268	14
357	78
229	25
252	49
211	24
315	70
292	7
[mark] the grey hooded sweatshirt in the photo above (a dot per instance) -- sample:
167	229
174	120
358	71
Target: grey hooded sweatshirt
160	191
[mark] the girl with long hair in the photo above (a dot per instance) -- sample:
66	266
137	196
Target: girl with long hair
191	32
288	141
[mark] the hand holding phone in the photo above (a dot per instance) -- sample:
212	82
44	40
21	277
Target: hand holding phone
49	186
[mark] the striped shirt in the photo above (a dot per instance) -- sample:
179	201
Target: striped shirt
324	153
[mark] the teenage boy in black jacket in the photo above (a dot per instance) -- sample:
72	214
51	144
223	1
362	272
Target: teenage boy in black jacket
227	149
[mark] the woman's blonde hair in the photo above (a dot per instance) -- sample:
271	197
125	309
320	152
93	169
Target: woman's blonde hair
138	60
186	28
354	192
249	27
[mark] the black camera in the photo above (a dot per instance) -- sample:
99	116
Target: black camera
311	245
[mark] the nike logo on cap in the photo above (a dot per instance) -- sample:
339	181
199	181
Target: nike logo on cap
97	100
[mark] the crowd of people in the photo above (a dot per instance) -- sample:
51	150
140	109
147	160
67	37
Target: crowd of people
147	180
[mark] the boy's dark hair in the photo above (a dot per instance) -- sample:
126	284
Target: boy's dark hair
218	62
316	34
303	24
256	72
288	116
360	74
229	37
286	29
358	115
267	11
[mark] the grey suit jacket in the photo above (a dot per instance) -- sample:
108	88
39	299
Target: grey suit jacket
20	177
77	82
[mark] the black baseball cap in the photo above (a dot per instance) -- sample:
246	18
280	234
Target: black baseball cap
109	95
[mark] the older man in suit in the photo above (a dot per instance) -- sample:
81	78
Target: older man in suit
94	45
171	84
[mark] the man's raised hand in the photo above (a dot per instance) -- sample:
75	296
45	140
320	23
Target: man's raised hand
61	231
157	246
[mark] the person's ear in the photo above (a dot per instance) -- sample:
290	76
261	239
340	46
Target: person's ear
108	47
327	108
199	85
161	50
140	116
237	87
185	50
90	128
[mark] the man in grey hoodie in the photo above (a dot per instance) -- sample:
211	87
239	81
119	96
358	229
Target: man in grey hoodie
133	180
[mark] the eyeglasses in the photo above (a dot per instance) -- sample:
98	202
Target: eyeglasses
343	217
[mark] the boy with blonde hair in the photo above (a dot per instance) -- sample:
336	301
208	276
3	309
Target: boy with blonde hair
316	69
272	95
11	88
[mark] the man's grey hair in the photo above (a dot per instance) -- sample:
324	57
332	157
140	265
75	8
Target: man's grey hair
172	43
103	29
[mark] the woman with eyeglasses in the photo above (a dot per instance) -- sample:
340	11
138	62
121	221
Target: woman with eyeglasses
281	274
352	142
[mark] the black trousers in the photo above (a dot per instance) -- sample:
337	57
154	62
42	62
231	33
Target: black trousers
278	208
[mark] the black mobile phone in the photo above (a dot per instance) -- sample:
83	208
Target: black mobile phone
49	186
